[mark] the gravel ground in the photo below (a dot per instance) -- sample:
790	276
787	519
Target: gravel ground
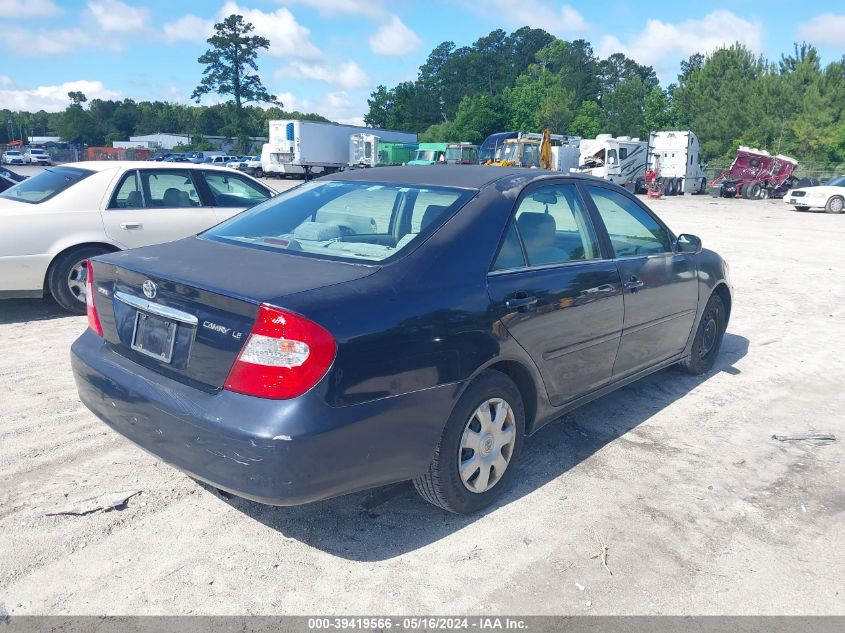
700	510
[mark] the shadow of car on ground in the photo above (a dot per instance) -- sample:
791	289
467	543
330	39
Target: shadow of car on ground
387	522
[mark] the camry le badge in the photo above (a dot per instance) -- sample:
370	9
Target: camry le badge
149	289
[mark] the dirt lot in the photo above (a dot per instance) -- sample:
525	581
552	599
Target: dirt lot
701	510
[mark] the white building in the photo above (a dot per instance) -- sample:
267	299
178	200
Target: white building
169	140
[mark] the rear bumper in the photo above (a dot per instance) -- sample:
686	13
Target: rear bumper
279	452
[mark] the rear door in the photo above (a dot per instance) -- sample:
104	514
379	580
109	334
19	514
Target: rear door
660	286
150	206
231	193
556	294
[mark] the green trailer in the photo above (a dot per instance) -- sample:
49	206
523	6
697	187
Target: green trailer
396	153
429	154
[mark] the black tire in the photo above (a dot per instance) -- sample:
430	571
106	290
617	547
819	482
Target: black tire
66	278
765	193
702	186
754	191
441	484
802	208
679	186
708	338
836	204
259	173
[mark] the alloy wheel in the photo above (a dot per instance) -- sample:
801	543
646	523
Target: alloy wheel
77	278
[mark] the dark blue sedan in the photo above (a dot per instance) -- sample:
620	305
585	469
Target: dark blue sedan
392	324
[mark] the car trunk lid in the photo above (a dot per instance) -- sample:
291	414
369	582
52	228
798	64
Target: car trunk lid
185	309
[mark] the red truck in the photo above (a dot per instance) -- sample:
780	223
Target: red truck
755	174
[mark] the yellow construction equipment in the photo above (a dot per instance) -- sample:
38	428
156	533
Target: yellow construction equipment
543	151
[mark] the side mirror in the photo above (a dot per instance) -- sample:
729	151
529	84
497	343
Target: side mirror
688	243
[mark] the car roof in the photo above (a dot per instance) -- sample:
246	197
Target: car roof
464	176
103	165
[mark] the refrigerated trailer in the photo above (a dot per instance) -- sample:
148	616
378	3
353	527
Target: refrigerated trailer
313	147
675	157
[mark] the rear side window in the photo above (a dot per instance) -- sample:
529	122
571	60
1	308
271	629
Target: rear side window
167	189
128	193
229	190
555	227
510	254
45	185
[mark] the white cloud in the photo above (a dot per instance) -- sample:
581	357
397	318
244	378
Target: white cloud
394	39
348	75
5	81
189	28
53	98
55	41
336	106
824	29
29	9
288	38
660	44
113	15
333	8
563	20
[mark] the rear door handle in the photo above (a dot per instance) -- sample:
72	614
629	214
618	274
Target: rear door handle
521	303
633	284
130	226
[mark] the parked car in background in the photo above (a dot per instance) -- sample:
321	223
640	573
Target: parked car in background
160	156
830	196
37	156
13	157
492	145
380	325
204	156
236	161
429	154
177	158
222	160
54	221
252	166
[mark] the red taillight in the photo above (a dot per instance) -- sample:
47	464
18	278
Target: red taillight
283	357
90	308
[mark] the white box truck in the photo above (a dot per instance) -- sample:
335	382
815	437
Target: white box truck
621	160
676	158
313	147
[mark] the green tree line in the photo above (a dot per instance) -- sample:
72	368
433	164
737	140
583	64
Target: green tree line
100	121
528	80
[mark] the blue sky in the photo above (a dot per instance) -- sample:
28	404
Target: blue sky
327	55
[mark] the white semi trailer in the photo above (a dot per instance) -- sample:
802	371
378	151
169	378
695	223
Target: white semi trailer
313	147
676	158
621	160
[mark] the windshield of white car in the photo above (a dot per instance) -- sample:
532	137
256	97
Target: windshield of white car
45	185
837	181
361	221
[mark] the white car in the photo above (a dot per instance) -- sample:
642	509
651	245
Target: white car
830	196
252	166
13	157
220	160
37	156
54	221
236	162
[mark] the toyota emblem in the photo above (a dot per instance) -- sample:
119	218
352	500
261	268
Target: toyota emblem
149	289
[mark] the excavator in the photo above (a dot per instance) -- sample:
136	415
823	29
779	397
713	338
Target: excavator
543	151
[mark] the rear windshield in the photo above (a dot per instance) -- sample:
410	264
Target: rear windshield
45	185
343	220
